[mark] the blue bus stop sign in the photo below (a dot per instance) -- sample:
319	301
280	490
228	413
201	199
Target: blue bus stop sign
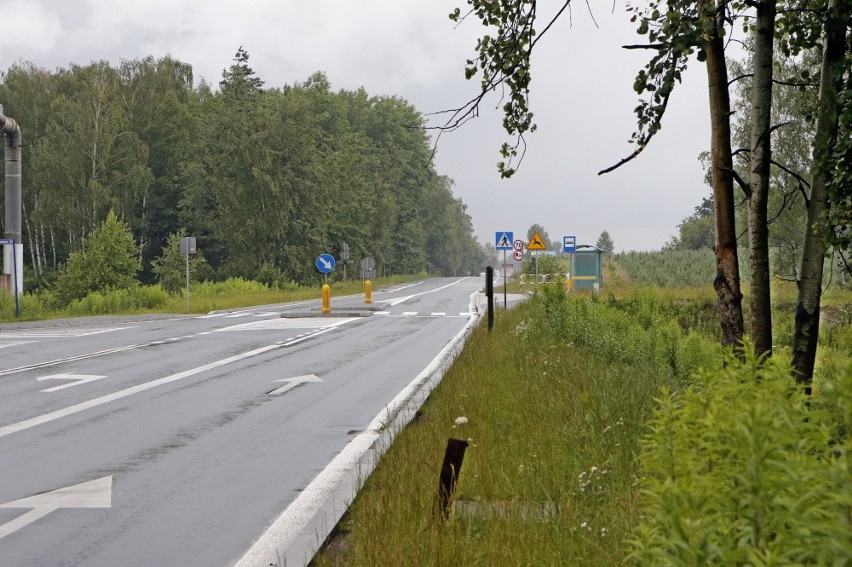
325	263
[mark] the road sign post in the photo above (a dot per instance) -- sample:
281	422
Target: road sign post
344	257
503	241
569	246
536	245
187	247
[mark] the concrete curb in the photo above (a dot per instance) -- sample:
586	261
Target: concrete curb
298	533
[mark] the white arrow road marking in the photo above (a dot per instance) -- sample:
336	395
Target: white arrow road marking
92	494
293	382
145	386
77	380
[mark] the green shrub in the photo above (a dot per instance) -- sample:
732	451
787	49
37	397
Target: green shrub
744	469
170	268
109	260
30	305
119	301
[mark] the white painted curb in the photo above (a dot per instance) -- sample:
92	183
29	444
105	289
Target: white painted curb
297	534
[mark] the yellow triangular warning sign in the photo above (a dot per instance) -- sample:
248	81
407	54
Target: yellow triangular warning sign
536	243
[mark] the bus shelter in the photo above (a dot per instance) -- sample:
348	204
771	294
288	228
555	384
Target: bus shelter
586	268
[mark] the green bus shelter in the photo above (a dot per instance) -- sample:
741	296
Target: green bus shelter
586	268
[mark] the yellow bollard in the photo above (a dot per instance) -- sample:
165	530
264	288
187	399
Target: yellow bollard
368	292
326	299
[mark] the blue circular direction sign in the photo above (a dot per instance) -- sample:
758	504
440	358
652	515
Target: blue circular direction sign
325	263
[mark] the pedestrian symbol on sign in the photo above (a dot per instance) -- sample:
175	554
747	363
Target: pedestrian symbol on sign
503	241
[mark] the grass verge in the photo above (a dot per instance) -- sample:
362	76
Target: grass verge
549	422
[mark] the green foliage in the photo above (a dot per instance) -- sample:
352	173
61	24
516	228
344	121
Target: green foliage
695	232
547	264
544	236
31	306
504	60
109	260
671	267
170	268
113	301
643	329
744	468
605	242
293	172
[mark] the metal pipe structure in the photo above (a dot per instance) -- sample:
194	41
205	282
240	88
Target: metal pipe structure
12	262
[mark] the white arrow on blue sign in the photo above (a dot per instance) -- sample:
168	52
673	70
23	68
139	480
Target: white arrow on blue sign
503	240
325	263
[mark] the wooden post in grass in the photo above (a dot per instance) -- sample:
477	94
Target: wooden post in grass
453	458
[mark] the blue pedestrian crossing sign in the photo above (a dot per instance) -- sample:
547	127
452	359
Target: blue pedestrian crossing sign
504	240
325	263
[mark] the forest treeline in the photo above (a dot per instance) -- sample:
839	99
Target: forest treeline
266	179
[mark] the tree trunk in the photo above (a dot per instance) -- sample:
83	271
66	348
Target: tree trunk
810	284
758	227
727	283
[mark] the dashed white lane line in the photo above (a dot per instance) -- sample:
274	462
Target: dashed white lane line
289	323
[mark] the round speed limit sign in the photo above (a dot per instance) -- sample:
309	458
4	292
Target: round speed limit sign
518	245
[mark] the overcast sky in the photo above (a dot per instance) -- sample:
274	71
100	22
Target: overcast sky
582	94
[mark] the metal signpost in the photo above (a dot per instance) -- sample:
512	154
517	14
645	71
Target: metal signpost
187	247
11	242
344	257
569	246
367	266
503	242
536	245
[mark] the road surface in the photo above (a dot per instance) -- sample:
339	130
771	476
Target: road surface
207	440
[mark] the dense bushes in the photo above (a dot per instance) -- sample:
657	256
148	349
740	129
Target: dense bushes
108	260
745	469
641	329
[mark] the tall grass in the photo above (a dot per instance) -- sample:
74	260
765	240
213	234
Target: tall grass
587	405
556	398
